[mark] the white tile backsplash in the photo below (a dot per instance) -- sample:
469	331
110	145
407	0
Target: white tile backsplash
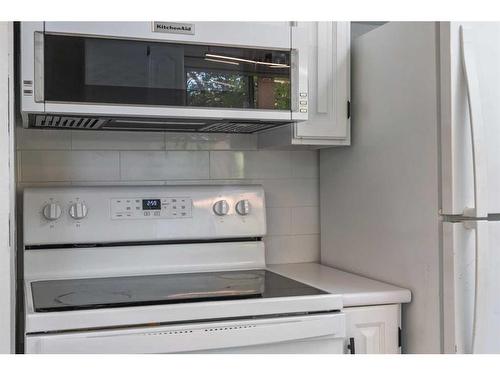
250	164
292	249
48	139
279	220
290	192
164	165
69	166
106	140
120	182
305	164
209	182
290	178
22	185
185	141
304	220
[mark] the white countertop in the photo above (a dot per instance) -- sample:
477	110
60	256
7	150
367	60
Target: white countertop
355	290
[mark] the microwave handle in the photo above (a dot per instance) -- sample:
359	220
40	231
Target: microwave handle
38	84
299	68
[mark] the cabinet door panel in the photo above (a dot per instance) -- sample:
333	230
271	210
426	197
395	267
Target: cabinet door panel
375	329
371	338
328	82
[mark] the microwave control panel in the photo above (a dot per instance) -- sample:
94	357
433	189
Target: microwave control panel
151	208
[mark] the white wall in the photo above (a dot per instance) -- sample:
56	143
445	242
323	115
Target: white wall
290	178
379	197
360	28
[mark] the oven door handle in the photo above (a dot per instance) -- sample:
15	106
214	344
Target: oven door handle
195	337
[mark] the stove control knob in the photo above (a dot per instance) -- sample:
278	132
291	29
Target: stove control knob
221	208
52	211
78	210
243	207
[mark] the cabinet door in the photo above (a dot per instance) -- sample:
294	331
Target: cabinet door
373	329
329	83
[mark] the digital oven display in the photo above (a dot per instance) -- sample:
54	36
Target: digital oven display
151	204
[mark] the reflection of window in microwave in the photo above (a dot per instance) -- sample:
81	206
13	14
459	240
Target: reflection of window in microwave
233	90
237	78
100	70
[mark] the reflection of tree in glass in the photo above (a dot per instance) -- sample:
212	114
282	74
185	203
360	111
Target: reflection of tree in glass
213	89
282	94
229	90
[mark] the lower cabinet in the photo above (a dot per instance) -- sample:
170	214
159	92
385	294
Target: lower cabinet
373	329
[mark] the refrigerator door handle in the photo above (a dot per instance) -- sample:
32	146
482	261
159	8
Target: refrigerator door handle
477	126
480	325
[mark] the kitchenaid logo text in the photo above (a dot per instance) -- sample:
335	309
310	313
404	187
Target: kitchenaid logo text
173	28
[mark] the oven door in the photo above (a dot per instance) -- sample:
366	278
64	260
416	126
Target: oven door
320	333
219	70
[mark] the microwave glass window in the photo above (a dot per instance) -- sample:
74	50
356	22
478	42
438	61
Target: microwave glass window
114	71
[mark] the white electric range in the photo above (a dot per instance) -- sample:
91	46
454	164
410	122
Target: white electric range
163	269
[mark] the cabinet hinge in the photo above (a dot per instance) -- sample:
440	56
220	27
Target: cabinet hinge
348	109
399	337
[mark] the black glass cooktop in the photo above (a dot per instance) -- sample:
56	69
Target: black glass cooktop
123	291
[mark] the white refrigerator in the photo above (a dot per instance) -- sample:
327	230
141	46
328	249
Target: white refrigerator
416	199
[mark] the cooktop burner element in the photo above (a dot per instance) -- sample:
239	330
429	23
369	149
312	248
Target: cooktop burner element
123	291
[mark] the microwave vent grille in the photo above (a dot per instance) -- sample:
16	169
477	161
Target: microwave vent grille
42	121
235	127
60	121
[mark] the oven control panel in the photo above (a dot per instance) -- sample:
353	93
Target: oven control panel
151	208
104	214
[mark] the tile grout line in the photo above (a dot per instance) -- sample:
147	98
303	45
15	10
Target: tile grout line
120	165
19	165
210	165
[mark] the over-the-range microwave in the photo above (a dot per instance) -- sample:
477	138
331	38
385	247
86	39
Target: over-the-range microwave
240	77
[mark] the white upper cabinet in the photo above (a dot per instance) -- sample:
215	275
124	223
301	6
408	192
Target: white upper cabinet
328	82
329	91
